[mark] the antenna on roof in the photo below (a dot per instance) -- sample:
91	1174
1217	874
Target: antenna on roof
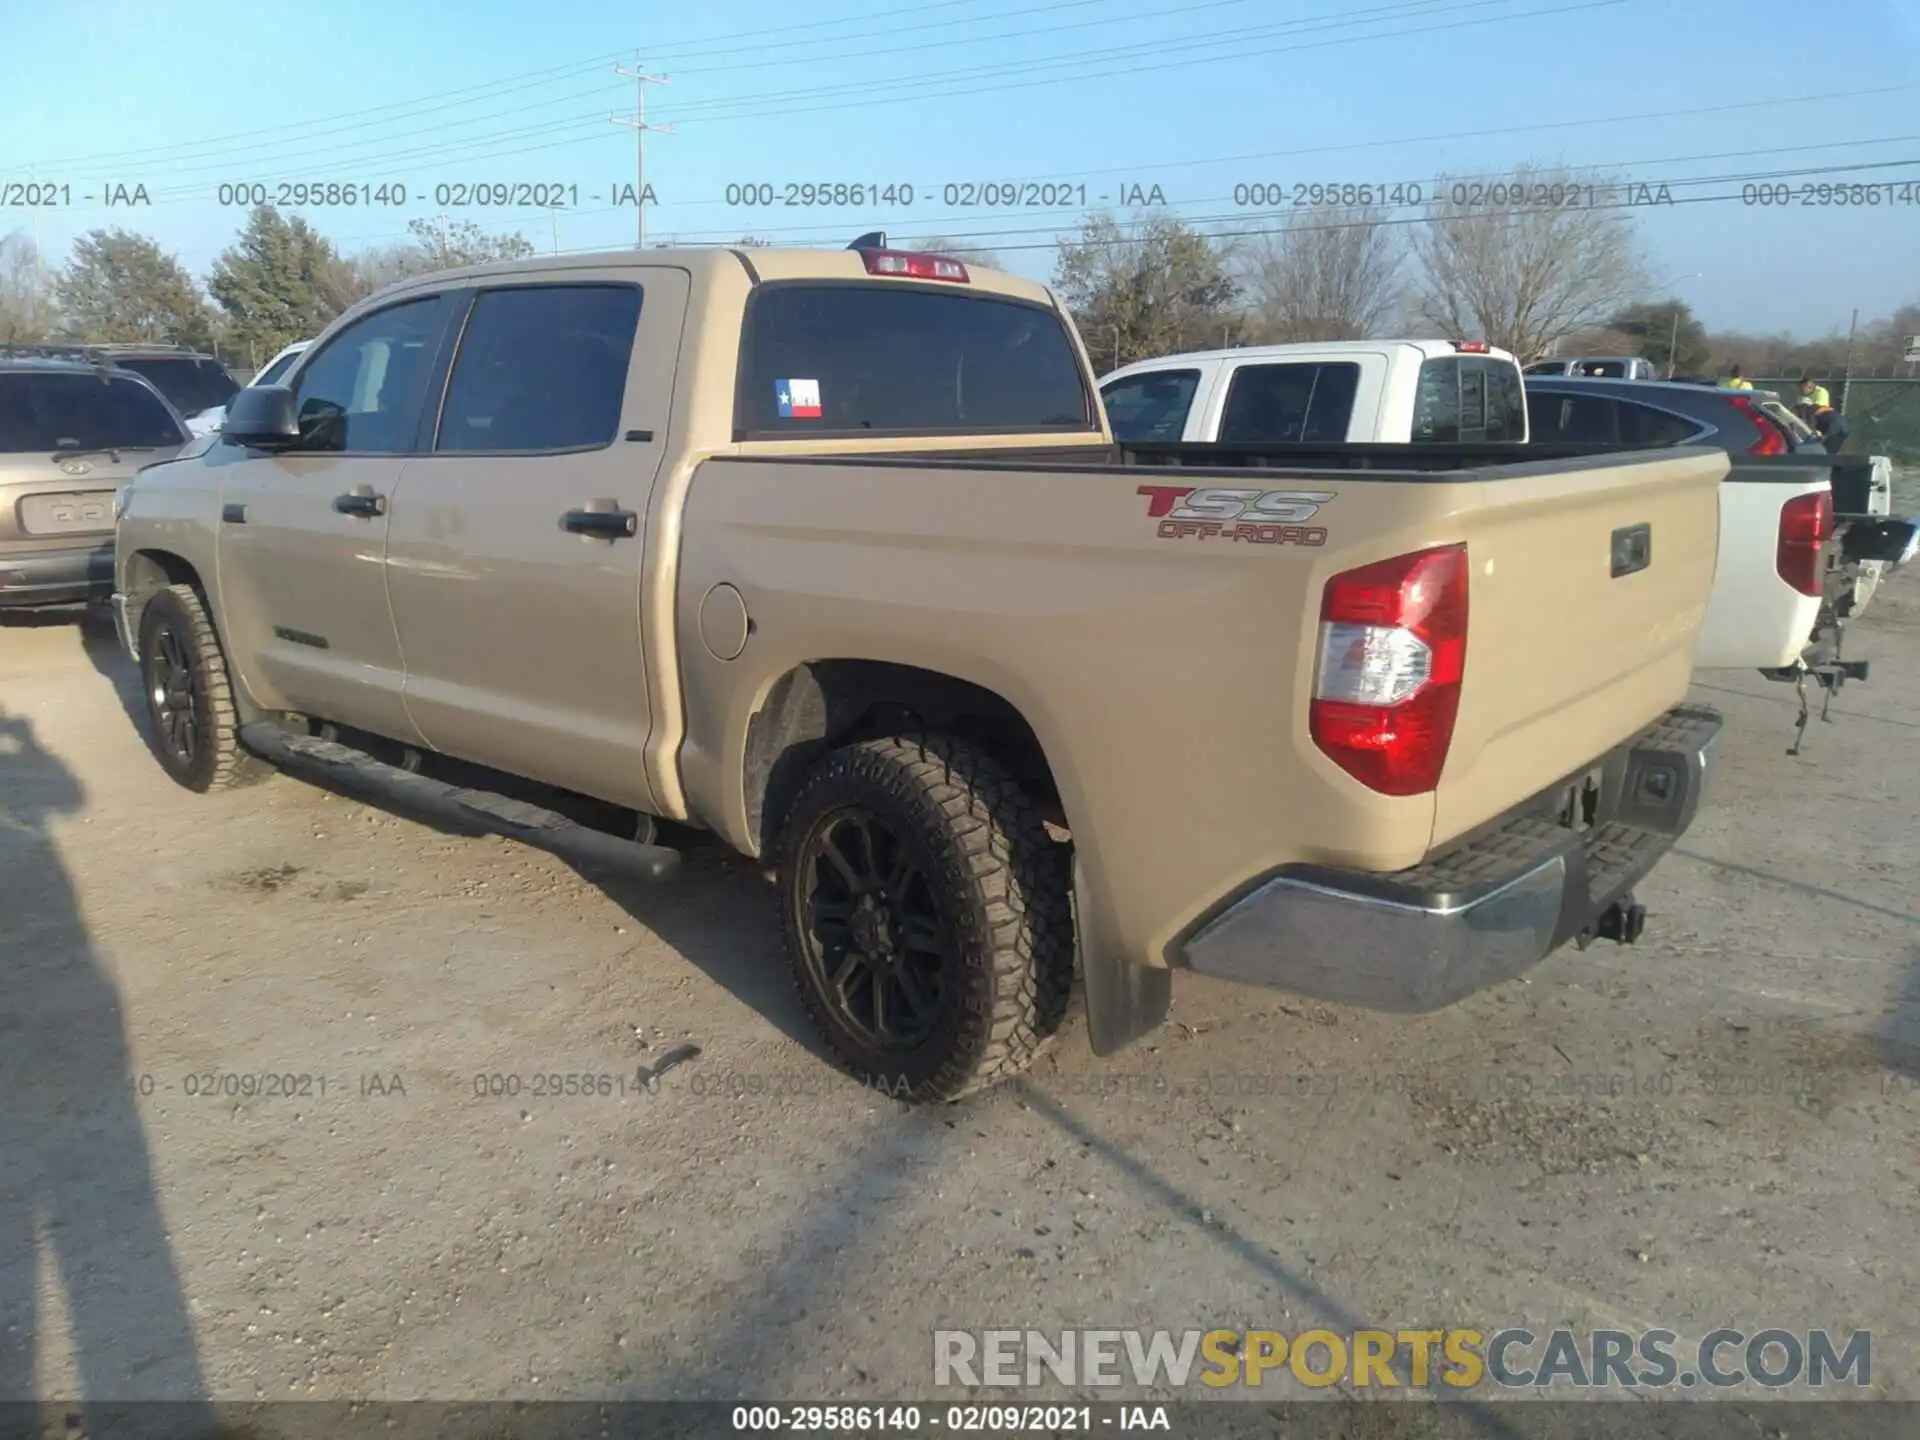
872	240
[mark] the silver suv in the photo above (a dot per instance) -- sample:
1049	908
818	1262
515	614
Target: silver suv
71	433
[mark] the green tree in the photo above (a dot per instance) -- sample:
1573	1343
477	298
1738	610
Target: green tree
280	281
1148	287
1667	333
122	286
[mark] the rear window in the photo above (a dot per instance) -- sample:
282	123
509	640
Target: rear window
1470	398
1309	403
1797	429
1574	419
190	385
882	359
81	412
1153	406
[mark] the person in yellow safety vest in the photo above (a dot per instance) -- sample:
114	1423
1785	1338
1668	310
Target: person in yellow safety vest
1737	381
1813	396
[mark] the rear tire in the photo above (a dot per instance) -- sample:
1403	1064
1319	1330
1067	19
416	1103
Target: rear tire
193	727
926	915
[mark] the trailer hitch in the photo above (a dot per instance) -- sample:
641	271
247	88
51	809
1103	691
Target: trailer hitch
1621	922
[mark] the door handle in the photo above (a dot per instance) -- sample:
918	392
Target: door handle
363	503
603	524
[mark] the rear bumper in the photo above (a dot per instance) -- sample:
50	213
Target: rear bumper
57	577
1481	911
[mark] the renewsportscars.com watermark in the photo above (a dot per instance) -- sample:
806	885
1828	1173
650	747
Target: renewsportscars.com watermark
1561	1359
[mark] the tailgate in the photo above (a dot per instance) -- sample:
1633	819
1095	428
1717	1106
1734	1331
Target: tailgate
1590	582
46	500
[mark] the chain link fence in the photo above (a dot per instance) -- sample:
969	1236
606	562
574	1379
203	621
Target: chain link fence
1883	416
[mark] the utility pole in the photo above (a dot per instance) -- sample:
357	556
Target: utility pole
638	122
1846	378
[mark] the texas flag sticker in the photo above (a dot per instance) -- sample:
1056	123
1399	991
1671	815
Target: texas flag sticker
799	399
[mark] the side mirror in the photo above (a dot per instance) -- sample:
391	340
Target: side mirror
1893	539
263	418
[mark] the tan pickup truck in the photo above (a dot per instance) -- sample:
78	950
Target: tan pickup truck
832	554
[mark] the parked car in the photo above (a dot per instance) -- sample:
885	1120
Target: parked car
1774	452
1385	391
271	373
190	380
1598	367
71	434
1636	414
992	700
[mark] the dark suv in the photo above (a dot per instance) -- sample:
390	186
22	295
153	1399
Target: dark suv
71	433
1649	414
190	381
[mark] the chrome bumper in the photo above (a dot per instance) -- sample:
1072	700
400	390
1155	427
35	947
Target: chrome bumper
1480	912
122	629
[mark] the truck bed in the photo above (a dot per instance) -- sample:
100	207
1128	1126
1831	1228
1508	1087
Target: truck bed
1166	672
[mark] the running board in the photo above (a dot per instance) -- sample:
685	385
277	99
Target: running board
430	798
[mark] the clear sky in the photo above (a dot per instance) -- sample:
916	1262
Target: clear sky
1201	98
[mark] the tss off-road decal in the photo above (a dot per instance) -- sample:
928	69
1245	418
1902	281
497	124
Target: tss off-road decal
1230	512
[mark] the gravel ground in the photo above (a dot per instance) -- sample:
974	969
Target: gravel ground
1717	1126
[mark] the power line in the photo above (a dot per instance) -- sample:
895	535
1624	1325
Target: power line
1300	221
947	222
915	85
916	93
486	89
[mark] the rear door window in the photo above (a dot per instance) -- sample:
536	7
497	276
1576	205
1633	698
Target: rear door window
541	368
886	359
1572	419
1306	402
42	412
1152	406
1643	427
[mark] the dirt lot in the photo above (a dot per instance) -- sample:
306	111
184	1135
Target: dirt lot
1716	1127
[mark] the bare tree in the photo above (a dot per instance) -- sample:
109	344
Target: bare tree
1329	274
1527	272
959	250
27	311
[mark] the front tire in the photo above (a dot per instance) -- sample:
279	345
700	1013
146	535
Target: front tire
193	727
926	915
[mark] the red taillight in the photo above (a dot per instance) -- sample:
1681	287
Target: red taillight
914	266
1806	524
1471	347
1393	646
1771	441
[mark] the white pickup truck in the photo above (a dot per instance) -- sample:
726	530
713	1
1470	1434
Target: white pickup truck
1363	403
1340	391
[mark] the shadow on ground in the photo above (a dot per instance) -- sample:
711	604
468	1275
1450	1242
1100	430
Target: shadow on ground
76	1183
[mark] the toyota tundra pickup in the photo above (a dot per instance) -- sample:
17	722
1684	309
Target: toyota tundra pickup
832	554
